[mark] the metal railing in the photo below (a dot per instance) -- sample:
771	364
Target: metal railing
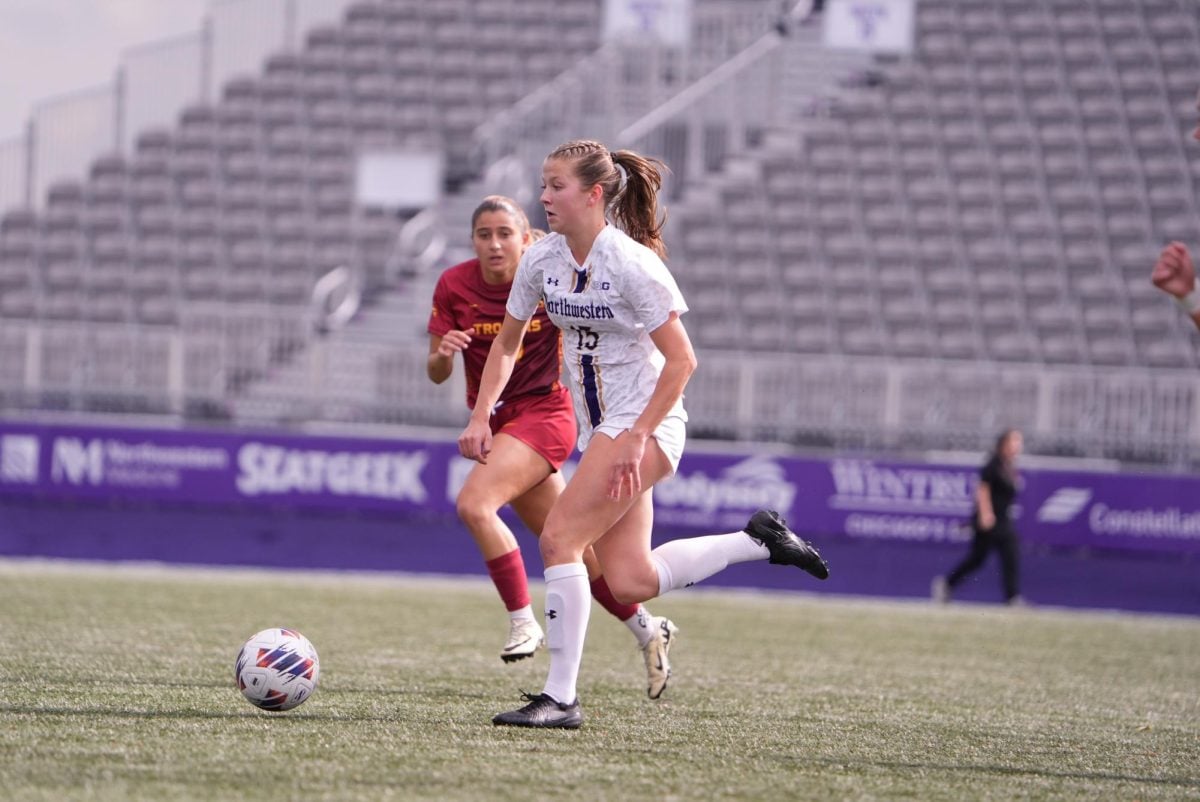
158	79
617	85
14	172
1132	415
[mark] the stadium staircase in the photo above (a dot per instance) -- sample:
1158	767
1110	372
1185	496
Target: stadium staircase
373	370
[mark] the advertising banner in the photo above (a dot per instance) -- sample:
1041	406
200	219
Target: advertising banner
855	498
224	467
867	499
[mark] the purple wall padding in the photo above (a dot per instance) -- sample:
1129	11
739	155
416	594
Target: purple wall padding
1115	540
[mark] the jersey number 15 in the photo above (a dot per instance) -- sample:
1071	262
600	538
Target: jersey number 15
588	339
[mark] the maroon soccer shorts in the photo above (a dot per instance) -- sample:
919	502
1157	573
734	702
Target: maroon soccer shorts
545	423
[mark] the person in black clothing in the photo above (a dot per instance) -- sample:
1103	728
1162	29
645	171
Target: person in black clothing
999	483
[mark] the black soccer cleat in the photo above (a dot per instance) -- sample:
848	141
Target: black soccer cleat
785	546
542	711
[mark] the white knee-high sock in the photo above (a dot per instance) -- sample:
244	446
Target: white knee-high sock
684	562
568	605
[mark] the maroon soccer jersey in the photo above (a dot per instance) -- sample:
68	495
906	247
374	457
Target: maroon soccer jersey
462	300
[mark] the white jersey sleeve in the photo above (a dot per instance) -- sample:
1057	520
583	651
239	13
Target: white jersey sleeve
653	293
526	289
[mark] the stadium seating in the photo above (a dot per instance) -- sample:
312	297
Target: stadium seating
1028	163
947	229
230	215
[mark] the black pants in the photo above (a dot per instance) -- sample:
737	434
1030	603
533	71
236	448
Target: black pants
1003	538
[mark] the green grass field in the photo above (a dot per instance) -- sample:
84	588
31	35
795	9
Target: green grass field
116	683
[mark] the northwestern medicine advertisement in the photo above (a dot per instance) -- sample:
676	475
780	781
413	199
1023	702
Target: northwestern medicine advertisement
855	498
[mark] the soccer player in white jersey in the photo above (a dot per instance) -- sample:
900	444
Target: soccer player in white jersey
534	432
627	357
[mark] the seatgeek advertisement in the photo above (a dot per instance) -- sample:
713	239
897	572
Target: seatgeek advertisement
851	497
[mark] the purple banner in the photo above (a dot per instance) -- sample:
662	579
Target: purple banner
224	467
867	499
859	499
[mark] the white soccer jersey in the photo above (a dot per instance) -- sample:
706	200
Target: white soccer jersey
606	310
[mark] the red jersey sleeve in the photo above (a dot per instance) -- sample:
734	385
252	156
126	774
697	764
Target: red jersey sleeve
441	318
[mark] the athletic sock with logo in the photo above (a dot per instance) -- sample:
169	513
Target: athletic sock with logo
641	625
508	575
684	562
568	604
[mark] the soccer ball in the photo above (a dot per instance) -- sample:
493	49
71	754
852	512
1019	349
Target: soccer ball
277	669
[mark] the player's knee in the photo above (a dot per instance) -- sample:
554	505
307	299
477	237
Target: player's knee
474	509
550	547
629	589
555	547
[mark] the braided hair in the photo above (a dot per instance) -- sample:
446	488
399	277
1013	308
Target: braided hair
632	202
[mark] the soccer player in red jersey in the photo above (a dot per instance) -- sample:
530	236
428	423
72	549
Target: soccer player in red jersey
533	429
1175	272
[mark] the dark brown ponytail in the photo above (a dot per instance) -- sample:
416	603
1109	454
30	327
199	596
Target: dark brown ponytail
631	198
635	207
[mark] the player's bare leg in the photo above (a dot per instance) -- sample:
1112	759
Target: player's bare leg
512	471
584	512
654	634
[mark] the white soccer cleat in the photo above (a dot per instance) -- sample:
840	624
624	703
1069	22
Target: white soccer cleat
524	638
657	655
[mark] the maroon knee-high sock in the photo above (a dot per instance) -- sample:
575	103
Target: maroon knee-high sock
508	575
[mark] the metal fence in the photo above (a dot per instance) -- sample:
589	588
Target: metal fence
152	83
745	73
199	371
1139	415
157	80
68	133
14	172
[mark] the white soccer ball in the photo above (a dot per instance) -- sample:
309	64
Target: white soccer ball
277	669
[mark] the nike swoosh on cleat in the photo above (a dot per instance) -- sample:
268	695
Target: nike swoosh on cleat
517	645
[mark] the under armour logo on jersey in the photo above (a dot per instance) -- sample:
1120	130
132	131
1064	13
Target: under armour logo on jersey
552	280
552	614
